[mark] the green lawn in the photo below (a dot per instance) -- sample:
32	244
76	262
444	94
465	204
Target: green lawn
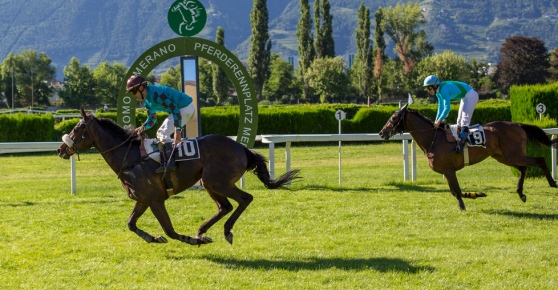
374	231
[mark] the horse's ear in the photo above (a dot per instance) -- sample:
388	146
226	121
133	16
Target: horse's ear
83	115
404	107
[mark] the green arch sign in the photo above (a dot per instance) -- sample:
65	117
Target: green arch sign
218	54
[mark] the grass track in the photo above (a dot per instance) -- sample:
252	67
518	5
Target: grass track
374	231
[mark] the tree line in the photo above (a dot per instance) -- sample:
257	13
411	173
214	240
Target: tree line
321	76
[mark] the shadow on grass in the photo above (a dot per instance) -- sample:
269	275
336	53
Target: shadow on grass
316	264
523	215
398	187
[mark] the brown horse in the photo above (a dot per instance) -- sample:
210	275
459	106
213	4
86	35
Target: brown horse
505	141
222	162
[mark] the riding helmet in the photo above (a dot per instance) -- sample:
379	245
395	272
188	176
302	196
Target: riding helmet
133	82
431	80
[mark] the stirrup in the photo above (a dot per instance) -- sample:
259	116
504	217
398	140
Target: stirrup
458	149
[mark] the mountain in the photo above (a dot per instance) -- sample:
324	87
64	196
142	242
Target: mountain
108	30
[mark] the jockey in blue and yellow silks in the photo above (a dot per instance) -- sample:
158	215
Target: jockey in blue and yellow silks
448	91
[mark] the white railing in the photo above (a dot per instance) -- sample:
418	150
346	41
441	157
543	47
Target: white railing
272	139
25	147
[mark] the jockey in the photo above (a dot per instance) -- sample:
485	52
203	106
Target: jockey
162	99
446	92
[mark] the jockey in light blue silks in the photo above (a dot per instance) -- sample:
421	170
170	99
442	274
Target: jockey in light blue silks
162	99
446	92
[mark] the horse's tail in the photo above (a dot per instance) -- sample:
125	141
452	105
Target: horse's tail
258	165
537	136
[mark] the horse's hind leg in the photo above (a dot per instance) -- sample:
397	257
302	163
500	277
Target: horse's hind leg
241	197
223	208
139	210
542	165
520	181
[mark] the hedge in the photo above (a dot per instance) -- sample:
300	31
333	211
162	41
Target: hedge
26	127
287	119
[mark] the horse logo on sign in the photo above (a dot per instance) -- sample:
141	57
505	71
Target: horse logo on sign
187	17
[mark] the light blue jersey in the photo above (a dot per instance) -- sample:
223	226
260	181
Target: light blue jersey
447	92
164	99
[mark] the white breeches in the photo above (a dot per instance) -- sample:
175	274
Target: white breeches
466	108
167	128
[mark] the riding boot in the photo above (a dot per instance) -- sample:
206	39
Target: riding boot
461	140
164	165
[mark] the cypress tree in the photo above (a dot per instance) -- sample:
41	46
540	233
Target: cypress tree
220	79
363	57
306	50
327	30
260	46
379	50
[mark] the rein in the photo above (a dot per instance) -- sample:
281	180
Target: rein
415	131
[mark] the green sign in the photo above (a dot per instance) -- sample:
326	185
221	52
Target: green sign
218	54
187	17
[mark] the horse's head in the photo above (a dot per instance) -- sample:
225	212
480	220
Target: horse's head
78	139
395	124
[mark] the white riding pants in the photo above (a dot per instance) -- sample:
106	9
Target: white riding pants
466	108
167	128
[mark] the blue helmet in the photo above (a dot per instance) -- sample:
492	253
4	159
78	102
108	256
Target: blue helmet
431	80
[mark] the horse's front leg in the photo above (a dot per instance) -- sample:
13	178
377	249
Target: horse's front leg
160	212
451	177
137	212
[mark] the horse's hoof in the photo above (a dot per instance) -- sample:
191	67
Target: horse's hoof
229	238
481	194
160	240
523	198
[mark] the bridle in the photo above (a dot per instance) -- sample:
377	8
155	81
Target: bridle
71	143
399	127
396	125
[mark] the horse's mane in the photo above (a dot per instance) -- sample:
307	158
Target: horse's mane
418	114
115	129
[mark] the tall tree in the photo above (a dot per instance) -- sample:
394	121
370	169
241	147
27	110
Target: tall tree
553	69
78	85
306	52
327	30
260	46
221	83
328	78
172	78
324	43
9	84
523	60
318	42
363	61
34	73
379	50
281	82
401	24
108	79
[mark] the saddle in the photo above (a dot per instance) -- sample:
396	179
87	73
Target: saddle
187	149
475	138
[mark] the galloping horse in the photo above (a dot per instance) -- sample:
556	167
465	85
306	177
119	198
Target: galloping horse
222	162
505	141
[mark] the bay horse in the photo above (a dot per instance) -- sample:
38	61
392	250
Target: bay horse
505	141
222	162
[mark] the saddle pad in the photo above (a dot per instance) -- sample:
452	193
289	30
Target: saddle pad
476	135
188	149
150	149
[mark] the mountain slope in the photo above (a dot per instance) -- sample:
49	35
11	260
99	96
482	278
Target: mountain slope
108	30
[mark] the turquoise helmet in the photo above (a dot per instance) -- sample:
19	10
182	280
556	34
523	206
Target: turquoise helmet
431	80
